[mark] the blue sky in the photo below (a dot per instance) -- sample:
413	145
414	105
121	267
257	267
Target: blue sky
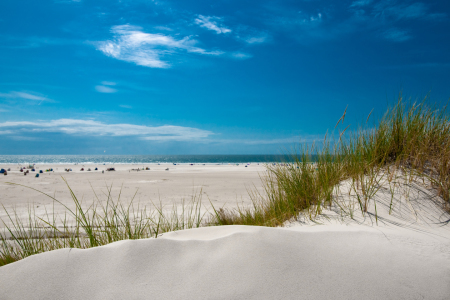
209	77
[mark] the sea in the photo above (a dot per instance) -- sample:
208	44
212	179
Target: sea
141	159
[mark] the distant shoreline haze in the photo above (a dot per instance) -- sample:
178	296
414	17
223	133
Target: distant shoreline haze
140	159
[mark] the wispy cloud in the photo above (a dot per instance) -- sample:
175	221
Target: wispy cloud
241	55
395	10
126	106
256	39
108	83
105	89
212	23
25	95
397	35
131	44
286	141
96	128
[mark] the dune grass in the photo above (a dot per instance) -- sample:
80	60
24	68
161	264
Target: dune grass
412	139
98	225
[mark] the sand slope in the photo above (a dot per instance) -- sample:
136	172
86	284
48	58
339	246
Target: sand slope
402	253
240	262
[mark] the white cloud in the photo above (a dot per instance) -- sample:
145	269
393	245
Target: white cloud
105	89
241	55
256	39
397	35
108	83
131	44
96	128
25	95
212	23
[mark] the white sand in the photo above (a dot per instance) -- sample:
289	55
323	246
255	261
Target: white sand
224	185
405	256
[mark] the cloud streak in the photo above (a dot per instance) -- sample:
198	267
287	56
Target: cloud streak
131	44
105	89
25	95
397	35
96	128
212	23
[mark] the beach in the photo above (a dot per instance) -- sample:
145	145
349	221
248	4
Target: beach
223	185
379	254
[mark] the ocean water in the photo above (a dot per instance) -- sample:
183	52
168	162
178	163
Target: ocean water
140	159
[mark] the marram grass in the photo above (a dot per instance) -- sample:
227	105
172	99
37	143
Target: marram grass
411	139
95	226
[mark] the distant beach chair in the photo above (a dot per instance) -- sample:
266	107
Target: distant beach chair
6	173
167	169
89	169
96	169
82	169
32	170
41	172
37	175
2	171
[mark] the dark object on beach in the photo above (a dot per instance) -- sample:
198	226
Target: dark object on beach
167	169
32	170
21	170
82	169
246	166
2	171
89	169
6	173
103	172
96	169
110	169
37	175
41	171
192	164
9	169
147	168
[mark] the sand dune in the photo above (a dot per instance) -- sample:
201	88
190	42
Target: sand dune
240	262
399	254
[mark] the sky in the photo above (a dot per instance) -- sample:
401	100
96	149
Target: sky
209	77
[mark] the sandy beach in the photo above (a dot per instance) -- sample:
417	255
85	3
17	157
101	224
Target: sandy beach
376	255
224	185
